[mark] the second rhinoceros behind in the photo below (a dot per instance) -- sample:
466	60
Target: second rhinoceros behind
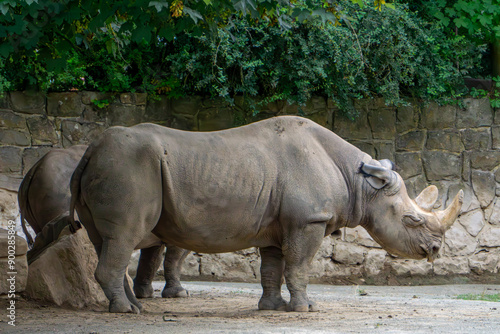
280	184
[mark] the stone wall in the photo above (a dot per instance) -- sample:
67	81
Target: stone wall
452	147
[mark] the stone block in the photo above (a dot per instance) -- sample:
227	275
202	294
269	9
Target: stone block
67	104
79	133
191	266
494	217
384	150
415	185
366	147
11	120
375	260
10	159
42	131
406	119
13	251
360	236
484	186
88	98
440	165
141	98
4	101
484	262
447	140
64	273
348	253
451	266
229	266
28	102
322	117
411	267
477	113
215	119
410	141
125	115
159	110
383	123
10	181
326	248
438	117
127	98
495	136
476	139
32	155
187	106
408	164
472	222
9	209
490	237
357	129
458	242
313	105
14	137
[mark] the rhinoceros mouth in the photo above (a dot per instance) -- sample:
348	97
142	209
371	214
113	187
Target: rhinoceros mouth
430	252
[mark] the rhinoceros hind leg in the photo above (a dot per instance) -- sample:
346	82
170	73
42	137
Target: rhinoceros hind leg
110	274
271	272
172	265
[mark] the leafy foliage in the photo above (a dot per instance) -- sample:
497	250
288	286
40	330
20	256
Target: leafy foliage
264	51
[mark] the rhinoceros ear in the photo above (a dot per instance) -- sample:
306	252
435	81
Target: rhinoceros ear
388	164
427	198
377	176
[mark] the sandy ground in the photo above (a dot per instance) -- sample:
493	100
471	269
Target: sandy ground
232	308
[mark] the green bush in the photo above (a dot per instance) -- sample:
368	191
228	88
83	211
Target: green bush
392	53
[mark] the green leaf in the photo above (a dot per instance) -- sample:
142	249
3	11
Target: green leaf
193	14
167	32
159	5
141	33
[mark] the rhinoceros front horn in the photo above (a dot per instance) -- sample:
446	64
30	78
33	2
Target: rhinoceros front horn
447	217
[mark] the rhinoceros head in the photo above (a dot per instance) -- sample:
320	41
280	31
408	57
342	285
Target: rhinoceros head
402	226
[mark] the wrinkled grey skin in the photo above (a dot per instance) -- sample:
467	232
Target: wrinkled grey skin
44	200
280	184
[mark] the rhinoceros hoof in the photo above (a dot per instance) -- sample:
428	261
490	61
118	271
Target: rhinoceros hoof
310	307
277	304
175	292
143	291
123	307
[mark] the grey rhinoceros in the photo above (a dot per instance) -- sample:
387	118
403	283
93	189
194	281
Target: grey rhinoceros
281	184
44	201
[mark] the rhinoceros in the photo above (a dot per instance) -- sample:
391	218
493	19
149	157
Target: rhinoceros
44	200
280	184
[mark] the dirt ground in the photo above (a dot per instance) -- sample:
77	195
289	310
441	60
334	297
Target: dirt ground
232	308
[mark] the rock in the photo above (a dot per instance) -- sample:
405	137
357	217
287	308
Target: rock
191	266
472	221
64	273
458	242
490	237
410	141
475	139
411	267
375	260
495	134
438	117
408	164
352	130
484	186
441	165
451	266
9	209
28	102
477	113
74	133
32	155
415	185
42	131
448	140
360	236
383	123
213	119
11	159
159	111
14	273
368	148
66	104
347	253
494	217
14	137
10	181
406	118
125	115
230	266
485	160
484	261
384	150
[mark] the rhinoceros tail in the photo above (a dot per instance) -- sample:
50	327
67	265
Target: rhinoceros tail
24	205
75	190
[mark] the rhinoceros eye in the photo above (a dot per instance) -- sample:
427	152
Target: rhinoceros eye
412	220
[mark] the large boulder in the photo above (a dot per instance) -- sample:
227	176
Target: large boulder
13	261
63	274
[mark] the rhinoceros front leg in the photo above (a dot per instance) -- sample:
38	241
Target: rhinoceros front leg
299	248
149	261
271	272
174	257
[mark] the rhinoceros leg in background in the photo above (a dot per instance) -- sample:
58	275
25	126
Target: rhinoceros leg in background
149	261
271	271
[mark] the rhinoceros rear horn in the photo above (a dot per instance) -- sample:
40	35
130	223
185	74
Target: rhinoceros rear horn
377	176
447	217
427	198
